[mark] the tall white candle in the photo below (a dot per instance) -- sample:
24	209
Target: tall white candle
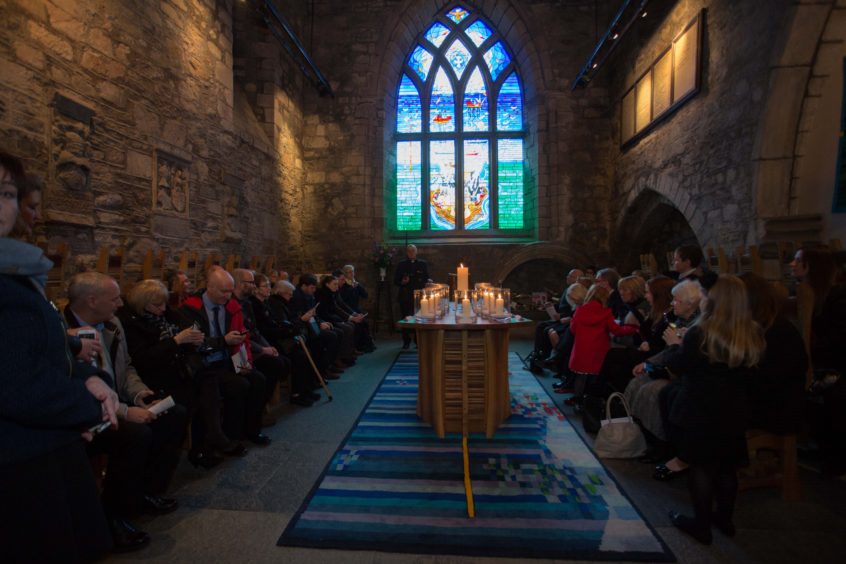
463	278
466	311
500	306
424	306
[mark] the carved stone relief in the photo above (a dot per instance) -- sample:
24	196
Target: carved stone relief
69	198
171	185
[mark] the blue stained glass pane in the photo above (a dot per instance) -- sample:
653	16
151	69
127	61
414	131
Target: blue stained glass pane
478	32
510	176
458	57
457	14
442	109
477	174
409	109
409	177
509	105
420	61
436	34
475	103
442	185
497	59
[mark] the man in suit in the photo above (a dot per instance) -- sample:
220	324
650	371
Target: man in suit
244	390
411	274
144	450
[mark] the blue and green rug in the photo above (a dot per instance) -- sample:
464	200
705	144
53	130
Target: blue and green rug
539	491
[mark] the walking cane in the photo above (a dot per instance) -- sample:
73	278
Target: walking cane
314	366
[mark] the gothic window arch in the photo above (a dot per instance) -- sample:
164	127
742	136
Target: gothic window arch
459	136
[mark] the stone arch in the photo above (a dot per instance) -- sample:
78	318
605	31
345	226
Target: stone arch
539	251
405	24
794	57
650	223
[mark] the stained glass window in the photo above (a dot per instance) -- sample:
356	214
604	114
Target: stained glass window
409	110
455	171
442	110
409	182
458	14
442	184
420	61
458	56
436	34
497	59
475	103
509	105
478	32
477	173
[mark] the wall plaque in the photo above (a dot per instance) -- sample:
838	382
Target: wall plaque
171	185
668	82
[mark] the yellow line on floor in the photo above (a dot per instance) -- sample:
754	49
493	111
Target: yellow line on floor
468	486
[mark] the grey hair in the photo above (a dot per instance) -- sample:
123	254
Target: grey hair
575	294
277	288
687	291
85	284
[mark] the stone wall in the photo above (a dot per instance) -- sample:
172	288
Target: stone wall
132	113
701	157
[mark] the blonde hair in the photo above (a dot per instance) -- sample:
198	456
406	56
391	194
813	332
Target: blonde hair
575	294
634	284
597	293
729	333
146	292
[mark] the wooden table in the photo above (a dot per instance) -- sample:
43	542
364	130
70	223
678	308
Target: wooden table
463	373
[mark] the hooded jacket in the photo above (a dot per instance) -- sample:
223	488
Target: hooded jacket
590	326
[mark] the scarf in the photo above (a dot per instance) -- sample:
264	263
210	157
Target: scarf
166	329
22	259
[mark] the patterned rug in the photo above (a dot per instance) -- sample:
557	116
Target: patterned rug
539	491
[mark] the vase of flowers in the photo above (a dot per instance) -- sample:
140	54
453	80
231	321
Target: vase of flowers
382	257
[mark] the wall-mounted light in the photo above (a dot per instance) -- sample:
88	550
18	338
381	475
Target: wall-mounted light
615	36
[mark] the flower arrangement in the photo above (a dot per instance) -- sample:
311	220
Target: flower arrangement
382	255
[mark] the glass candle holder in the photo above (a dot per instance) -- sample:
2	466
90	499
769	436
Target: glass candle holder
464	311
425	305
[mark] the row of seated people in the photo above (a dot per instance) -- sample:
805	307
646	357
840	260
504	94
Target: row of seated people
99	370
666	343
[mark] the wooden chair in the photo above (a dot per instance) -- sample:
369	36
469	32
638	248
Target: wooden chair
233	262
804	317
153	266
111	263
787	478
717	260
55	288
649	264
255	263
269	263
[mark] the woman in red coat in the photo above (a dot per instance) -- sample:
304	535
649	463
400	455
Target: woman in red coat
591	325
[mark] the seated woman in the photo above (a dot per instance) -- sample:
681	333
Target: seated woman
632	291
166	351
331	308
642	392
777	387
591	325
708	417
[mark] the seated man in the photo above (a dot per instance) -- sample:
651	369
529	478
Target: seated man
352	291
245	390
145	449
321	335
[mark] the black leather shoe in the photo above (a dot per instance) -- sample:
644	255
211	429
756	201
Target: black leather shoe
237	450
689	526
126	537
314	396
260	440
204	458
159	505
664	474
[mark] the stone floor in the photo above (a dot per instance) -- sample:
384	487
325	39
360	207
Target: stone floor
236	512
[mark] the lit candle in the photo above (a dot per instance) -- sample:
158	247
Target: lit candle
424	306
465	307
500	306
463	278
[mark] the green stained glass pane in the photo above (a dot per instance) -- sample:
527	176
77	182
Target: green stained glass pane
478	32
436	34
475	103
497	59
409	180
442	185
458	14
509	105
409	110
442	107
510	176
420	61
458	57
477	175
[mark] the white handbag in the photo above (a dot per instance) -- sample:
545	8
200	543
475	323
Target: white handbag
620	437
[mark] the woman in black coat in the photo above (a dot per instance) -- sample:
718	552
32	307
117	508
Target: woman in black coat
166	351
709	411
